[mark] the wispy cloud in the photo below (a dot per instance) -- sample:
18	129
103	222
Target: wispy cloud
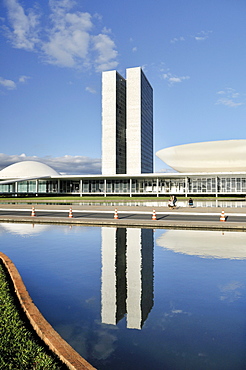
24	79
90	90
230	98
134	48
177	39
68	39
200	36
172	79
71	165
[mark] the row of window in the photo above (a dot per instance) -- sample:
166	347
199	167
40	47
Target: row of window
163	186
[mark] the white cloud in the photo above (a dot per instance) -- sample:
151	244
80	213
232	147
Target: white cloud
228	102
68	37
174	79
201	36
23	79
71	165
24	32
8	84
90	89
66	40
177	39
134	49
106	52
12	85
229	98
106	30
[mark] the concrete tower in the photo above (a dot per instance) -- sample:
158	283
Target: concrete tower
127	123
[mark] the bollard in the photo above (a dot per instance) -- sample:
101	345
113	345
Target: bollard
222	217
33	214
70	215
154	215
116	217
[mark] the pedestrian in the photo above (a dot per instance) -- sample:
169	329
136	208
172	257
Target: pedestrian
174	201
170	202
190	202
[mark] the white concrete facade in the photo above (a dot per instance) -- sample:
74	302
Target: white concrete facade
133	115
139	122
108	122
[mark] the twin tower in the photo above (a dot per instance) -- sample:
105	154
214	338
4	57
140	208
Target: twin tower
127	123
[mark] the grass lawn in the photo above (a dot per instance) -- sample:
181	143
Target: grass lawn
20	347
76	199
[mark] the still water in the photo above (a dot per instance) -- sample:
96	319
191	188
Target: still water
138	298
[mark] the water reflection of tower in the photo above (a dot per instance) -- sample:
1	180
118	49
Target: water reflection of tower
127	275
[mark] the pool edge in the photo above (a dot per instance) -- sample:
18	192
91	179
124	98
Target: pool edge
44	330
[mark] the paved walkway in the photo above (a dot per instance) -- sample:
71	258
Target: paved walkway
163	223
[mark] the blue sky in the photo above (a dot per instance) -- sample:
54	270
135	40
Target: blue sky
53	52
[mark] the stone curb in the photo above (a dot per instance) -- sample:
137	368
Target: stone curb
44	330
158	224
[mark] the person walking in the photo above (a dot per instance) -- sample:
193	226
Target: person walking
190	202
174	201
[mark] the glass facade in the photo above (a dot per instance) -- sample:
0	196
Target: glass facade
120	124
146	185
146	125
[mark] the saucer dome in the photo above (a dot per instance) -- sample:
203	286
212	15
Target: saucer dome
27	169
210	156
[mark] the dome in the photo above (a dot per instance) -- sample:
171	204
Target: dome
27	169
210	156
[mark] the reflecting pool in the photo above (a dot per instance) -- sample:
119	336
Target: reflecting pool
128	298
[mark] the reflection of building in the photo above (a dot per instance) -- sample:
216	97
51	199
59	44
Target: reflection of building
205	244
113	275
127	123
127	275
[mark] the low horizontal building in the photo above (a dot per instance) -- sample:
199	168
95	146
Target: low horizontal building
35	178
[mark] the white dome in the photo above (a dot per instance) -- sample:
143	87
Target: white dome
27	169
210	156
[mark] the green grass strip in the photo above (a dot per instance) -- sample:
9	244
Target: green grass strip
78	199
20	349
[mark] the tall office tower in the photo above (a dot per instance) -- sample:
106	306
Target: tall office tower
127	123
139	123
113	123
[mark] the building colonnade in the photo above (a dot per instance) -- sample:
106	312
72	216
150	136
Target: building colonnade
145	185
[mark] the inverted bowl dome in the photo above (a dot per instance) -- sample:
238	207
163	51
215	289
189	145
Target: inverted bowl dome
210	156
27	169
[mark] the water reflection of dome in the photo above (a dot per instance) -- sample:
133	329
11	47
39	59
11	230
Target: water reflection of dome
24	229
205	244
